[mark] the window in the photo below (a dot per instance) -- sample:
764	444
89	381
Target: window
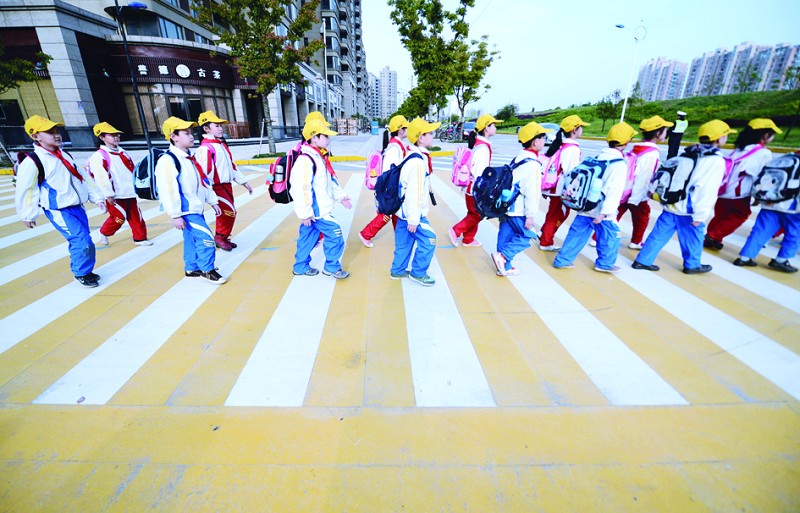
170	29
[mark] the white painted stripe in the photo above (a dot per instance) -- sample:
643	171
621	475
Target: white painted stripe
280	366
445	369
30	319
6	196
105	371
619	373
8	207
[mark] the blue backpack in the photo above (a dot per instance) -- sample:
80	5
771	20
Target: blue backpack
582	185
387	188
494	192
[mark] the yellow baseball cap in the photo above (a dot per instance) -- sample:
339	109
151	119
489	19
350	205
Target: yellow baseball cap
530	131
315	114
209	117
36	124
105	128
317	127
418	127
570	123
397	122
173	124
715	129
654	123
621	133
760	123
486	120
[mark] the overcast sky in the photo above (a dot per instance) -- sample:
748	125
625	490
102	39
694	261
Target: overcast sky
556	53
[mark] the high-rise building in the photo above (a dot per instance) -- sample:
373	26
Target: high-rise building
662	79
374	97
388	88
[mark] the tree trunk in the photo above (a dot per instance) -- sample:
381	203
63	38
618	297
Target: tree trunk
268	121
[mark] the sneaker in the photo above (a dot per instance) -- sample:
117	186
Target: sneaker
93	276
633	245
784	267
102	240
233	244
193	274
592	243
87	281
499	263
214	277
368	243
613	270
712	244
453	237
473	244
424	280
222	243
639	265
512	272
310	272
398	276
704	268
143	242
339	275
549	248
739	262
565	266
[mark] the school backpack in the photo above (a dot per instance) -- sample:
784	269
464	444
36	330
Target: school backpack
279	173
22	155
462	161
387	187
550	167
631	159
106	163
670	182
730	166
144	174
778	181
374	167
494	191
582	186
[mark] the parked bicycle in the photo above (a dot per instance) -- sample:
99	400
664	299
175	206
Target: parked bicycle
448	133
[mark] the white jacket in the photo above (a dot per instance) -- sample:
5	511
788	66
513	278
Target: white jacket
702	189
182	191
60	188
394	154
745	171
314	190
613	185
220	168
415	186
570	157
528	178
117	182
646	165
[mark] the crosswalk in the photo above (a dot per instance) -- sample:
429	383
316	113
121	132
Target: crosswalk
269	339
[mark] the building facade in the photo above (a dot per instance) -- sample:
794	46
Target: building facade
662	79
388	92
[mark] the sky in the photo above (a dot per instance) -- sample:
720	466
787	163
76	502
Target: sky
557	53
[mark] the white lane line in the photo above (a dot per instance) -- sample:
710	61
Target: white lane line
445	369
619	373
105	370
7	196
8	207
30	319
280	366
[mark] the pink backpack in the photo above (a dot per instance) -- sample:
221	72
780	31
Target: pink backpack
551	166
730	164
106	163
462	161
630	159
374	167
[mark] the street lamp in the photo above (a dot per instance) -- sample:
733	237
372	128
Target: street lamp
122	31
324	66
639	34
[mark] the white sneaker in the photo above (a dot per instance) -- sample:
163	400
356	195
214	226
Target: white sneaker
368	243
633	245
453	237
474	244
549	248
593	243
499	263
145	242
102	240
512	272
613	270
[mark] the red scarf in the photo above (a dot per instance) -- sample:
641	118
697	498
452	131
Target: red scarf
57	154
199	169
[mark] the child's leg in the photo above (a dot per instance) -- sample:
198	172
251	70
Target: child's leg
403	246
557	213
426	245
690	239
577	236
766	223
515	238
306	240
115	220
374	226
468	227
202	239
640	216
224	226
791	240
73	224
332	244
607	244
135	219
729	214
662	231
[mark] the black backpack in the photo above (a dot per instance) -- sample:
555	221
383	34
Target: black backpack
387	188
670	183
144	174
493	191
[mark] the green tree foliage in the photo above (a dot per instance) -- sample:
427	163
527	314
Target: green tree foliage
791	80
256	48
608	107
13	72
507	112
471	63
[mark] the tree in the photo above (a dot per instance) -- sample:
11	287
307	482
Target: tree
605	110
636	101
791	80
471	63
255	46
415	105
507	112
746	80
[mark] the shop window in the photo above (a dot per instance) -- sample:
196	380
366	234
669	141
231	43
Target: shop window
170	29
10	113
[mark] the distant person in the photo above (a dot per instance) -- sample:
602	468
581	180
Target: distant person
749	156
676	134
478	142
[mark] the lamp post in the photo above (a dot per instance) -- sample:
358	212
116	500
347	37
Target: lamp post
324	66
122	31
639	34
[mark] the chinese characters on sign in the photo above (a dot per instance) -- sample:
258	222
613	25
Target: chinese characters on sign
185	70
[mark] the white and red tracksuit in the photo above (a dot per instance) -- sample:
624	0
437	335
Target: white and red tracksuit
112	170
394	153
216	159
557	212
733	206
481	159
648	158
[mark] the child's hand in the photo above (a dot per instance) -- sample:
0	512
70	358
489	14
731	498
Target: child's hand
217	210
249	189
346	203
102	206
179	223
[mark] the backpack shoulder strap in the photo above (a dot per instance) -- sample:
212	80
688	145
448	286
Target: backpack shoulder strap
175	160
313	164
39	166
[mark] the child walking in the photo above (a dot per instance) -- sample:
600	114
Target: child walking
517	226
112	169
183	190
748	158
394	151
413	228
216	160
50	179
687	217
601	219
478	142
316	191
564	153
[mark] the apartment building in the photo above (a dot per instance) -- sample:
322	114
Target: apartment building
388	92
